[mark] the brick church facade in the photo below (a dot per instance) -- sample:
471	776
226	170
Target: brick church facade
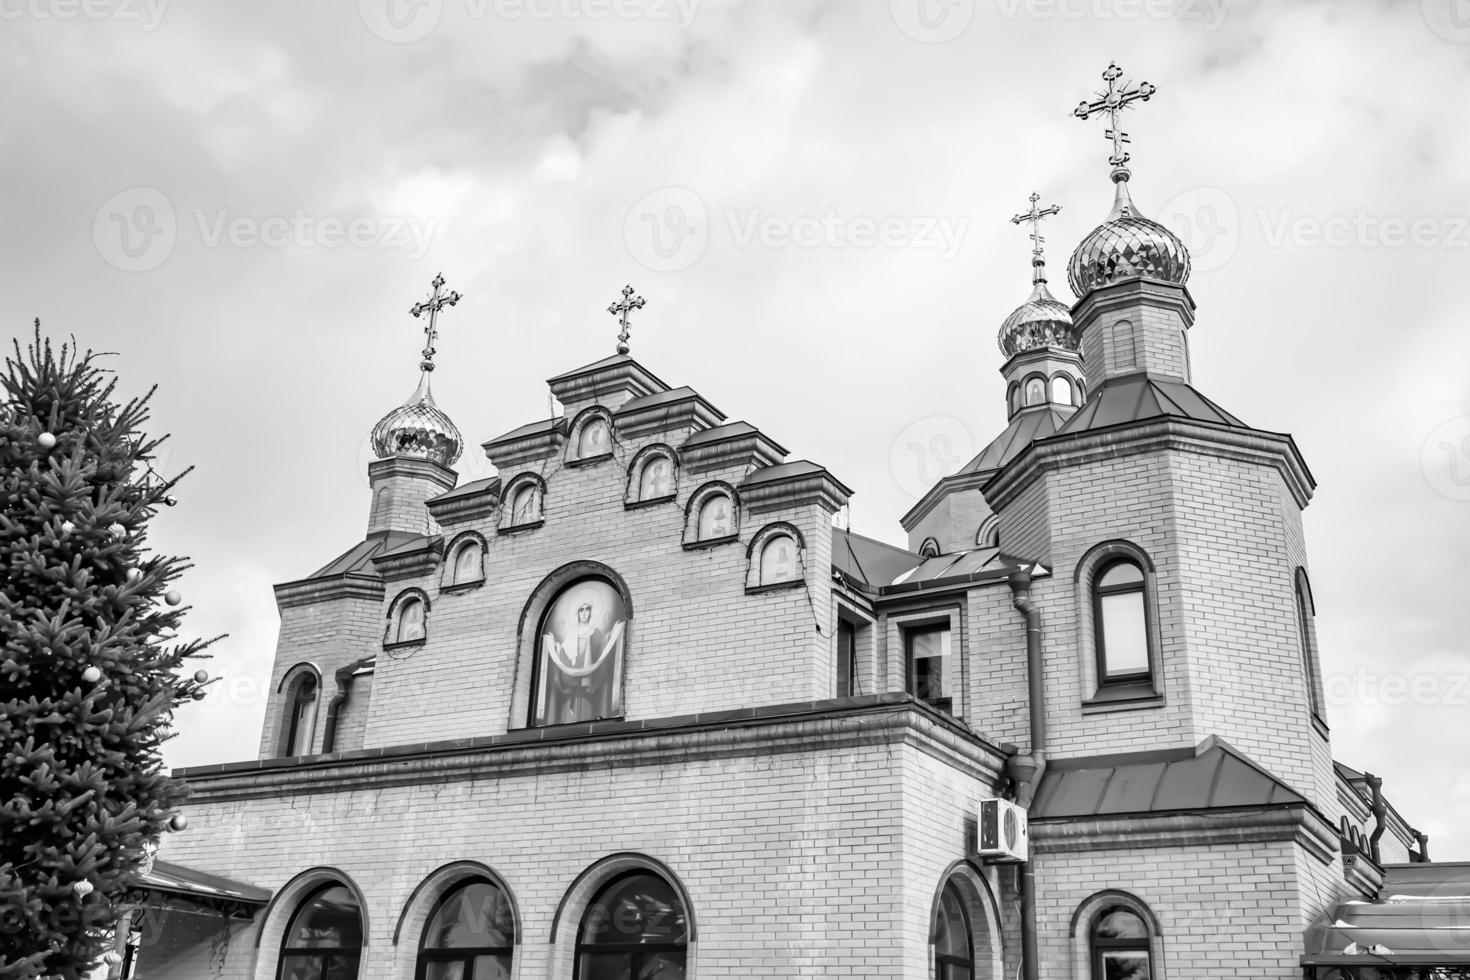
638	709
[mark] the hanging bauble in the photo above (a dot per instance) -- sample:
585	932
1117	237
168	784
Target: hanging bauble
201	677
116	530
91	675
47	440
134	574
67	527
200	694
178	822
83	888
169	501
172	597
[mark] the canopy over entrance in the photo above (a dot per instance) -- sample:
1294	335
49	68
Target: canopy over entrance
1418	929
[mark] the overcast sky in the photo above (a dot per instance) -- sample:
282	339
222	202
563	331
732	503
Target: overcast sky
243	199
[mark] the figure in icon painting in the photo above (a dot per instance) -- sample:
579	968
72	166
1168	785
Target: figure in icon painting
581	656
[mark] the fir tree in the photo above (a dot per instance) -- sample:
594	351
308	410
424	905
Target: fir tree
90	668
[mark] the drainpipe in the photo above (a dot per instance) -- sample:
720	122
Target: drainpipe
1027	770
1423	840
334	709
1380	813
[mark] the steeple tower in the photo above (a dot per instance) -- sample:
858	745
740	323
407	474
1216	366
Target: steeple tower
416	443
1042	368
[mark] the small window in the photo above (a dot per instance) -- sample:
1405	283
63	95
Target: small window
595	439
1061	390
929	549
716	518
657	479
778	560
301	704
1015	398
635	929
324	937
1035	391
525	505
470	936
1121	623
410	621
1120	946
468	566
954	949
989	534
846	659
1125	352
931	668
1081	394
1309	665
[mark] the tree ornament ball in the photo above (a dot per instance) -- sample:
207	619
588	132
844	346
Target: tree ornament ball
134	574
178	822
201	676
67	527
172	597
169	501
91	675
116	530
199	695
83	888
47	440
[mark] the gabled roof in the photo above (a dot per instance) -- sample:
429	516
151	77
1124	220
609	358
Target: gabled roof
1134	397
869	562
1210	776
359	558
1026	427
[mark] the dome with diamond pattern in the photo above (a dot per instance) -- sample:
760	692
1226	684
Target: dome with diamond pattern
1041	321
1127	246
418	429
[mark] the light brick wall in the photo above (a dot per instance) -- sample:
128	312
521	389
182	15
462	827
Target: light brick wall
1134	337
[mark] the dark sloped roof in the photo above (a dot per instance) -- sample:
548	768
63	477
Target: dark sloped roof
672	396
606	362
785	471
1135	397
175	879
489	484
1212	775
1026	427
869	562
359	558
413	544
529	429
728	431
1418	919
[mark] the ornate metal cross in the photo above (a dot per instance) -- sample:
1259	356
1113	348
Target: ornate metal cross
1034	216
436	302
621	309
1112	102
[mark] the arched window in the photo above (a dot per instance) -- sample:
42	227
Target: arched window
778	560
954	949
1035	391
1014	397
525	505
930	548
1081	393
468	566
324	939
1119	943
1120	622
410	621
579	655
300	713
1125	352
1305	612
1061	390
635	929
716	518
470	936
595	438
989	534
656	479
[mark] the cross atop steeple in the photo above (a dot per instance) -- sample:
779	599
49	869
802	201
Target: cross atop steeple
621	309
1034	216
1112	102
436	302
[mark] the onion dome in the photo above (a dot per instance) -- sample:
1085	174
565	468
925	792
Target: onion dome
418	429
1041	321
1127	246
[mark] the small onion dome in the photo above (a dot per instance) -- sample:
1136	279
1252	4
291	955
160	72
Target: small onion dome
418	429
1127	246
1041	321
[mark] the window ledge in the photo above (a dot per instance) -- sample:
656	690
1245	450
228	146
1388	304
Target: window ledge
650	502
454	587
711	542
518	528
1320	725
774	586
1124	697
590	460
405	644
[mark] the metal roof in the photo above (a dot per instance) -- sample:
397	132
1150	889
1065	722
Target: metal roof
359	558
1419	919
868	561
607	362
669	397
1026	427
490	484
1135	397
529	429
175	879
1209	776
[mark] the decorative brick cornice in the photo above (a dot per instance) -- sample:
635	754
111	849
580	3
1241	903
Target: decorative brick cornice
461	508
669	411
1298	822
528	444
610	382
1175	434
421	558
738	445
410	466
792	485
308	592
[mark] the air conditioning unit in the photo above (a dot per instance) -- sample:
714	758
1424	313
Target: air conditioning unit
1002	831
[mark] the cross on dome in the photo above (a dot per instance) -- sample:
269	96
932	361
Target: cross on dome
621	309
1112	102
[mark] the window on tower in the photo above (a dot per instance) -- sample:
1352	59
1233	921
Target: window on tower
1061	390
1035	391
1120	622
1307	637
301	687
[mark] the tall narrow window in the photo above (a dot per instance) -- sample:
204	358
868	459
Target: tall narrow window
954	949
846	659
635	929
931	668
410	621
1035	391
1120	946
1120	620
1125	351
470	936
301	702
324	938
1304	613
579	659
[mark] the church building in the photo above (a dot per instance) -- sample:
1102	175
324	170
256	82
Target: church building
639	708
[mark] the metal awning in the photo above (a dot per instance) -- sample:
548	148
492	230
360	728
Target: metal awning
1417	929
174	885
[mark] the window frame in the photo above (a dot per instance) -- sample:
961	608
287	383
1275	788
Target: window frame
636	951
579	427
295	676
620	689
1136	678
755	558
944	963
695	508
522	483
647	456
320	953
908	632
1098	947
444	954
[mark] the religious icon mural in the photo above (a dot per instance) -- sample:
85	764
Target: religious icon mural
657	479
594	440
579	668
778	560
714	518
525	506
